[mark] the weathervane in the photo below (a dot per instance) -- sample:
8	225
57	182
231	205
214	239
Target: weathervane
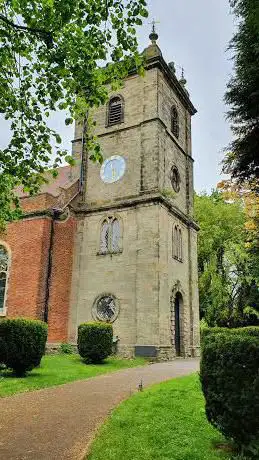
183	80
153	36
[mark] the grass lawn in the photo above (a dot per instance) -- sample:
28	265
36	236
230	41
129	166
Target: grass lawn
58	369
165	422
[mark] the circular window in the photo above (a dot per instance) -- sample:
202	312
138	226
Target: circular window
175	179
106	308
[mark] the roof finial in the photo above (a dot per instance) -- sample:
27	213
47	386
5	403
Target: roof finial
182	80
153	36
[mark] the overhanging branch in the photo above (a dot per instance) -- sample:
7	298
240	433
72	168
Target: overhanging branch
44	34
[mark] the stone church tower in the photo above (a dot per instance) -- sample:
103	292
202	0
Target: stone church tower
135	255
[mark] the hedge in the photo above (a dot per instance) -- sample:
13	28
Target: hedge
249	330
230	383
22	343
95	341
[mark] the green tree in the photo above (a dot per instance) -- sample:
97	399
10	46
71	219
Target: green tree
242	95
227	282
53	57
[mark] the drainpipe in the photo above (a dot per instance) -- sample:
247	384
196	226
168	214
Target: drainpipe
55	213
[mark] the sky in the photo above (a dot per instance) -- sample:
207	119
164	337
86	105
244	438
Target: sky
195	35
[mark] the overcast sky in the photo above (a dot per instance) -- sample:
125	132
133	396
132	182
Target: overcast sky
194	34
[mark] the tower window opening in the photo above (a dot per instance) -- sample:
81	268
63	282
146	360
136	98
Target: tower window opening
177	243
175	122
110	241
115	111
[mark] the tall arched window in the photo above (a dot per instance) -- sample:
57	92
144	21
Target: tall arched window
115	111
104	243
175	233
4	266
175	122
180	247
177	243
116	234
110	236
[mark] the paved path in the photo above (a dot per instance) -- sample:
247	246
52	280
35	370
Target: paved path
58	423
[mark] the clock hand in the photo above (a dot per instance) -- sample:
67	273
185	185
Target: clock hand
113	172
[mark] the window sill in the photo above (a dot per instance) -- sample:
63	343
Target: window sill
178	260
109	253
111	125
2	313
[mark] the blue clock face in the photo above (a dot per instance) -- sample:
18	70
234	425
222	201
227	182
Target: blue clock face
113	169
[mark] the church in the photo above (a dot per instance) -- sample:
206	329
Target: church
119	245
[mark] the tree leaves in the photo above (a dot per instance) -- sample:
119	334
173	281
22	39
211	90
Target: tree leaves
242	95
53	59
228	281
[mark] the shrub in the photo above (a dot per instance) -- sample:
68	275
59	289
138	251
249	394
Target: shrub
94	341
22	343
230	383
249	330
66	349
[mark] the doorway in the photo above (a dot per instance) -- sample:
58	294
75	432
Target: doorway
177	323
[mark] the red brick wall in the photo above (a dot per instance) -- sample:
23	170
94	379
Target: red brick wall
29	241
60	288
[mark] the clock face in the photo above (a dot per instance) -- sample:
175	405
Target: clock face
113	169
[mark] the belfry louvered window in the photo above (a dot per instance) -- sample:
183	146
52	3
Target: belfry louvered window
115	111
110	236
4	267
175	122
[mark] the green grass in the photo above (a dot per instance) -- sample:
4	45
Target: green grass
58	369
165	422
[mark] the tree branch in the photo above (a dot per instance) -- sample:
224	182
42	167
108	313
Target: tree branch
46	36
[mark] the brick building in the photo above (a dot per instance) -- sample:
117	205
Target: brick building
125	251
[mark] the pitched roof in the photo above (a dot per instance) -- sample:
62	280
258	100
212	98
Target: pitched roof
67	176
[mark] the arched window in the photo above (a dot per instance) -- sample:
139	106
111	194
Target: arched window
110	236
175	122
175	237
116	234
177	243
4	267
180	247
115	111
104	243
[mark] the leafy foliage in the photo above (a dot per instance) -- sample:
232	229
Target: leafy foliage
230	383
243	95
52	57
228	282
66	349
234	193
22	343
95	341
250	330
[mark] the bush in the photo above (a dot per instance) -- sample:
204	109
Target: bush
66	349
249	330
230	383
94	341
22	343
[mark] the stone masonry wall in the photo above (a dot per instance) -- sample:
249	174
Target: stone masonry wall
131	276
144	277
